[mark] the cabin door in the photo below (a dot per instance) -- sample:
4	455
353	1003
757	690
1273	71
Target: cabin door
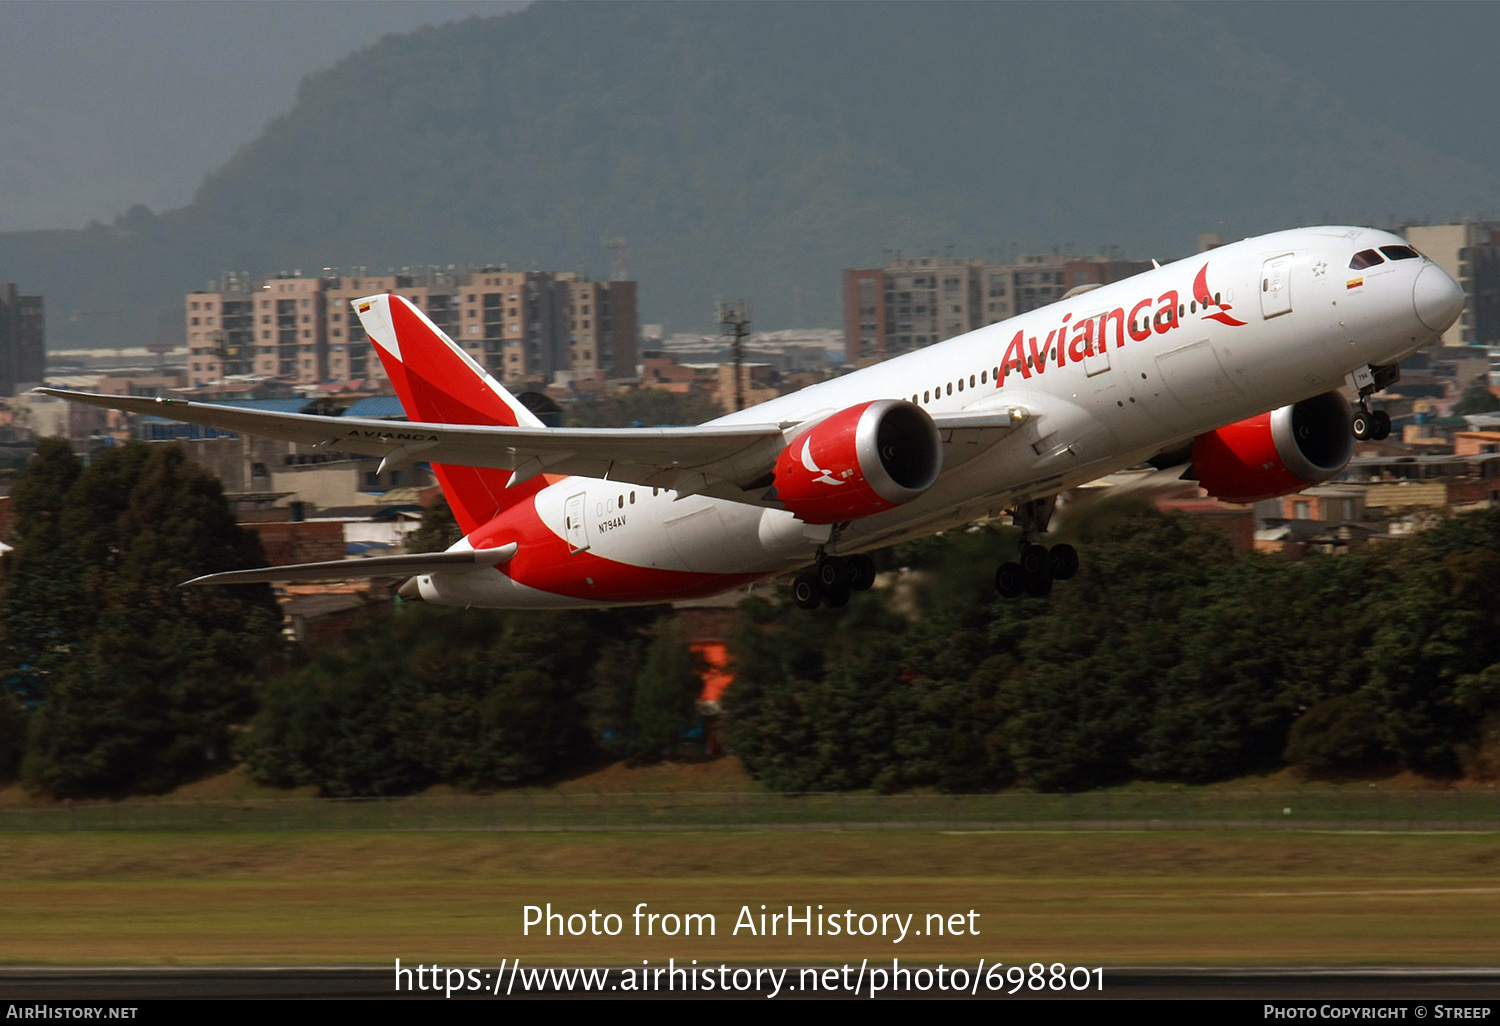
1276	286
573	523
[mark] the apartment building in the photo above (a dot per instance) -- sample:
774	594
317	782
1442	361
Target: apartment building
268	328
527	326
602	328
913	302
1470	253
23	340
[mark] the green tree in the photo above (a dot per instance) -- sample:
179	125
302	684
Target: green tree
1098	653
611	702
476	698
42	600
145	689
1168	658
1438	636
666	691
12	736
1222	709
853	698
1478	399
438	529
1343	734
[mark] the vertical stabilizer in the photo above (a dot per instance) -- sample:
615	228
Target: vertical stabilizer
439	383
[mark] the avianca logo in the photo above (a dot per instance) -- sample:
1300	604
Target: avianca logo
389	436
1207	300
812	466
1090	337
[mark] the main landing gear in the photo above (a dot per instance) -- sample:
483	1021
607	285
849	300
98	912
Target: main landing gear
1037	566
1367	424
1036	569
832	580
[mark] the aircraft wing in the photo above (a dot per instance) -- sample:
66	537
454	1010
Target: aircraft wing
685	459
723	461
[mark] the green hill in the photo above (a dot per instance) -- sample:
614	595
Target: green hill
757	149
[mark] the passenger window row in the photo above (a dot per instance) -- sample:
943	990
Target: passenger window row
938	393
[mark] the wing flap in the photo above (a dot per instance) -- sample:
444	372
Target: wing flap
966	435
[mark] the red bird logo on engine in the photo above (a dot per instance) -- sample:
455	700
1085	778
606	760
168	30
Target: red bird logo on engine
812	465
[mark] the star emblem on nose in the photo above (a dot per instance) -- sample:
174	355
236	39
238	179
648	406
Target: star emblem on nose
1319	268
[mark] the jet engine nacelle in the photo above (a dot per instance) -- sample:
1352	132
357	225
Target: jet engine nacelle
1276	453
860	461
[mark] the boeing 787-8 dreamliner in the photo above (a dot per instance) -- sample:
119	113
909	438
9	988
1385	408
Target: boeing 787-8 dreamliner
1232	361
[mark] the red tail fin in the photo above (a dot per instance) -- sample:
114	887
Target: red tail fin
439	383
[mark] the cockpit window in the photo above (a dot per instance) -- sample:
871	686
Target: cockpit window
1399	252
1365	258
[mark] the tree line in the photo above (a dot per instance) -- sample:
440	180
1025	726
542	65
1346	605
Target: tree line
1167	658
116	679
476	698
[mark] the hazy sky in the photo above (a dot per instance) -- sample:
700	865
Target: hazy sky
106	104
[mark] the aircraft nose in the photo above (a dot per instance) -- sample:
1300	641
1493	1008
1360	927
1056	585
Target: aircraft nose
1438	298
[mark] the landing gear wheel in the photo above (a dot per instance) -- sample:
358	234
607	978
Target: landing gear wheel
1063	562
1010	581
1382	428
1039	585
832	573
861	573
1362	424
1033	560
837	596
807	592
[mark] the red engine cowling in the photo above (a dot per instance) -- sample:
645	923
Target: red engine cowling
859	462
1276	453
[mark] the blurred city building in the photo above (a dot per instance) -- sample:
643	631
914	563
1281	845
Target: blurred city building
1470	253
913	302
541	327
23	340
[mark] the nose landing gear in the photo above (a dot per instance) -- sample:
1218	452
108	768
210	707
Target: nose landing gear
1371	425
1367	424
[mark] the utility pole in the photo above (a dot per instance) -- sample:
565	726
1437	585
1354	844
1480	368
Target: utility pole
735	320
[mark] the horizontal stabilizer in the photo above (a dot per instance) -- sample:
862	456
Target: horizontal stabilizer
377	566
